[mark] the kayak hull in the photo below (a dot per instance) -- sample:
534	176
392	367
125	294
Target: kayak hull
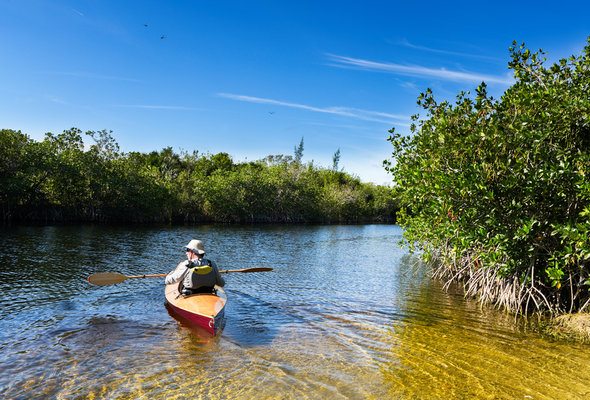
206	311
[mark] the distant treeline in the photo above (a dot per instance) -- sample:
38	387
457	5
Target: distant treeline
60	179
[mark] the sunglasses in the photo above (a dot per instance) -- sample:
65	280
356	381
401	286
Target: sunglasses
187	250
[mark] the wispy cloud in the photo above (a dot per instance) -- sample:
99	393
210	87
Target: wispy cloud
409	85
406	43
91	75
57	100
157	107
78	12
365	115
416	70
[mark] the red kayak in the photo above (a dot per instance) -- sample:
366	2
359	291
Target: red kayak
203	309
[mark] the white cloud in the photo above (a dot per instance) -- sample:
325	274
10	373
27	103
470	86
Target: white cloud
57	100
356	113
407	44
417	70
157	107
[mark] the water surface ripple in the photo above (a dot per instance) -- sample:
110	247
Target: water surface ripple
346	314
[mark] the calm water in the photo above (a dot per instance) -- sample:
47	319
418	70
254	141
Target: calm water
345	314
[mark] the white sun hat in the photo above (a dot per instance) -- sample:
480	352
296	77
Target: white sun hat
196	246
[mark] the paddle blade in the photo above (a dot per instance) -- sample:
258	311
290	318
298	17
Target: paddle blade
255	269
106	278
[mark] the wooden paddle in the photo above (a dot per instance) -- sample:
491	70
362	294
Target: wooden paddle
111	278
255	269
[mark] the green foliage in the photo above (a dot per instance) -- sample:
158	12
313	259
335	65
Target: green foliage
336	160
60	179
502	185
298	152
17	171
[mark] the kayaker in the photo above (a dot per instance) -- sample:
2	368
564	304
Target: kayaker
196	274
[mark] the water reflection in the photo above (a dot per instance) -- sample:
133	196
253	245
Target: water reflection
197	334
447	347
248	322
345	314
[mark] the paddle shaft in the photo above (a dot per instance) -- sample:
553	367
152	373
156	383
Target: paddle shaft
222	271
147	276
111	278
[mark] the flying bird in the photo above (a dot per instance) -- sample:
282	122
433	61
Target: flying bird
163	37
146	25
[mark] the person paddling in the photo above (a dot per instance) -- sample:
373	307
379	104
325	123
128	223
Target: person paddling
196	274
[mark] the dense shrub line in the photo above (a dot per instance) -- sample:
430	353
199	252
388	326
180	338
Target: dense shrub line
60	179
497	192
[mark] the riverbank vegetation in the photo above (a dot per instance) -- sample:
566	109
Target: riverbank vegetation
62	179
497	192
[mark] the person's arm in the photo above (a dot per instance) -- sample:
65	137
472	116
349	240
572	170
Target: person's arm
218	277
177	274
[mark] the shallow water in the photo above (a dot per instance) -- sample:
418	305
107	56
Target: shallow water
345	314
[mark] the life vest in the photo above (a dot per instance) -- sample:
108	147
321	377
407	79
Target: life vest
202	269
201	275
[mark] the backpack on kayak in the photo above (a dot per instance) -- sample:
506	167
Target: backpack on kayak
202	278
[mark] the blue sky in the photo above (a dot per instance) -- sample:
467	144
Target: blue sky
251	78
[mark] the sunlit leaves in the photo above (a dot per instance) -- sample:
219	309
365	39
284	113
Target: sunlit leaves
61	179
505	181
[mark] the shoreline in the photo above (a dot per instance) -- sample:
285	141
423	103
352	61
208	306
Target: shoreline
572	327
